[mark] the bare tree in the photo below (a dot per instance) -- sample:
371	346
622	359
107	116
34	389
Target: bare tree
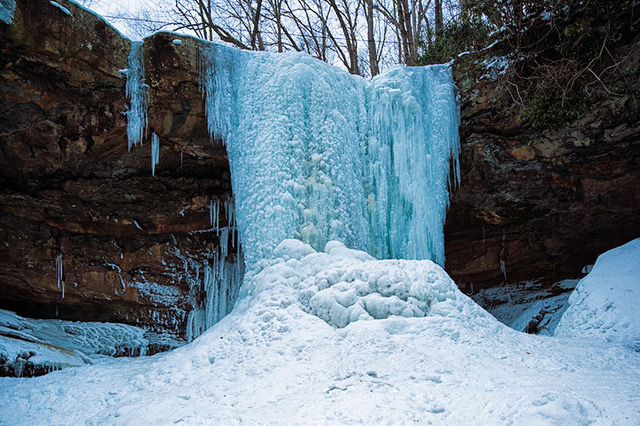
409	19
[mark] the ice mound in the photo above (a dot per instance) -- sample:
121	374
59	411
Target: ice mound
605	303
341	285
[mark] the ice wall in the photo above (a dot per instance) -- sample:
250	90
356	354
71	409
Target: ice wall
317	154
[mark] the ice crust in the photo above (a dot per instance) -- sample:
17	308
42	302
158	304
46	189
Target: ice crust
604	305
317	154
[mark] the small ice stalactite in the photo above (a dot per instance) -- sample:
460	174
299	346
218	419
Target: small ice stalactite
155	152
137	93
7	7
221	278
60	273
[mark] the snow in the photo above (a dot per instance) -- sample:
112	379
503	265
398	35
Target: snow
318	154
7	8
61	7
273	361
137	94
177	41
604	305
495	67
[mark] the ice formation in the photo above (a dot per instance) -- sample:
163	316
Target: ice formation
318	155
137	95
61	7
7	7
221	277
155	152
56	344
341	285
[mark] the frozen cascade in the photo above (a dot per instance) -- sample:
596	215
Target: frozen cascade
317	154
7	7
221	279
155	152
137	94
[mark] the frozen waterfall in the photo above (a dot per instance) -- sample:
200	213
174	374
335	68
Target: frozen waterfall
317	154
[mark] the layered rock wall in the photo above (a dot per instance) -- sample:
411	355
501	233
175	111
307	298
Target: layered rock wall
540	203
129	242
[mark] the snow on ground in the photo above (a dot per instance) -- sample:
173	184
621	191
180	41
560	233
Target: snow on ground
604	305
272	361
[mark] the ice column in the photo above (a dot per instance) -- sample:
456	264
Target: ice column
137	93
292	127
60	273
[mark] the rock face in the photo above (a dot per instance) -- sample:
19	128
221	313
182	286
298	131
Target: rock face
532	204
70	189
540	204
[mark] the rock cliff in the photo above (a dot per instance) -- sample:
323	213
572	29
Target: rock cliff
68	187
531	205
540	203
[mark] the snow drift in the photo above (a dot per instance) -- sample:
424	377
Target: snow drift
604	305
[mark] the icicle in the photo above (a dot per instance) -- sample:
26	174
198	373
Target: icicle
59	273
7	8
138	96
155	152
221	279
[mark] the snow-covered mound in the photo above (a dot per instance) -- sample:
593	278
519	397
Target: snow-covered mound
605	304
273	361
44	345
342	286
